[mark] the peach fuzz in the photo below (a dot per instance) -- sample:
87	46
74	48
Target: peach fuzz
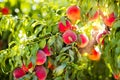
40	57
69	37
73	13
40	72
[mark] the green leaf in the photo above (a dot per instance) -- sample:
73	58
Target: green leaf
73	74
63	20
54	29
44	33
51	40
65	49
71	53
118	62
59	56
66	77
11	44
62	59
42	43
59	43
59	70
117	50
116	24
38	29
11	64
49	29
58	78
34	50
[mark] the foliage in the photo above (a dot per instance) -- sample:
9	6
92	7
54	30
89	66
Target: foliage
111	51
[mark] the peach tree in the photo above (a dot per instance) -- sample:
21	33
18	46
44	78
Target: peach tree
59	40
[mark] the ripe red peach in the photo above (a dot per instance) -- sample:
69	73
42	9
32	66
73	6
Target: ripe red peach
116	76
18	73
82	40
94	55
69	37
62	27
109	20
40	57
40	72
73	13
47	51
5	11
95	16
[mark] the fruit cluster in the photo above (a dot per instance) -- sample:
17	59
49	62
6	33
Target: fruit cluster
71	33
39	69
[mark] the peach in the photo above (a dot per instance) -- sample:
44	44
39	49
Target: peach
116	76
95	16
69	37
40	72
40	57
5	11
73	13
83	41
18	73
27	68
95	55
24	67
100	38
109	20
30	65
47	51
62	27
